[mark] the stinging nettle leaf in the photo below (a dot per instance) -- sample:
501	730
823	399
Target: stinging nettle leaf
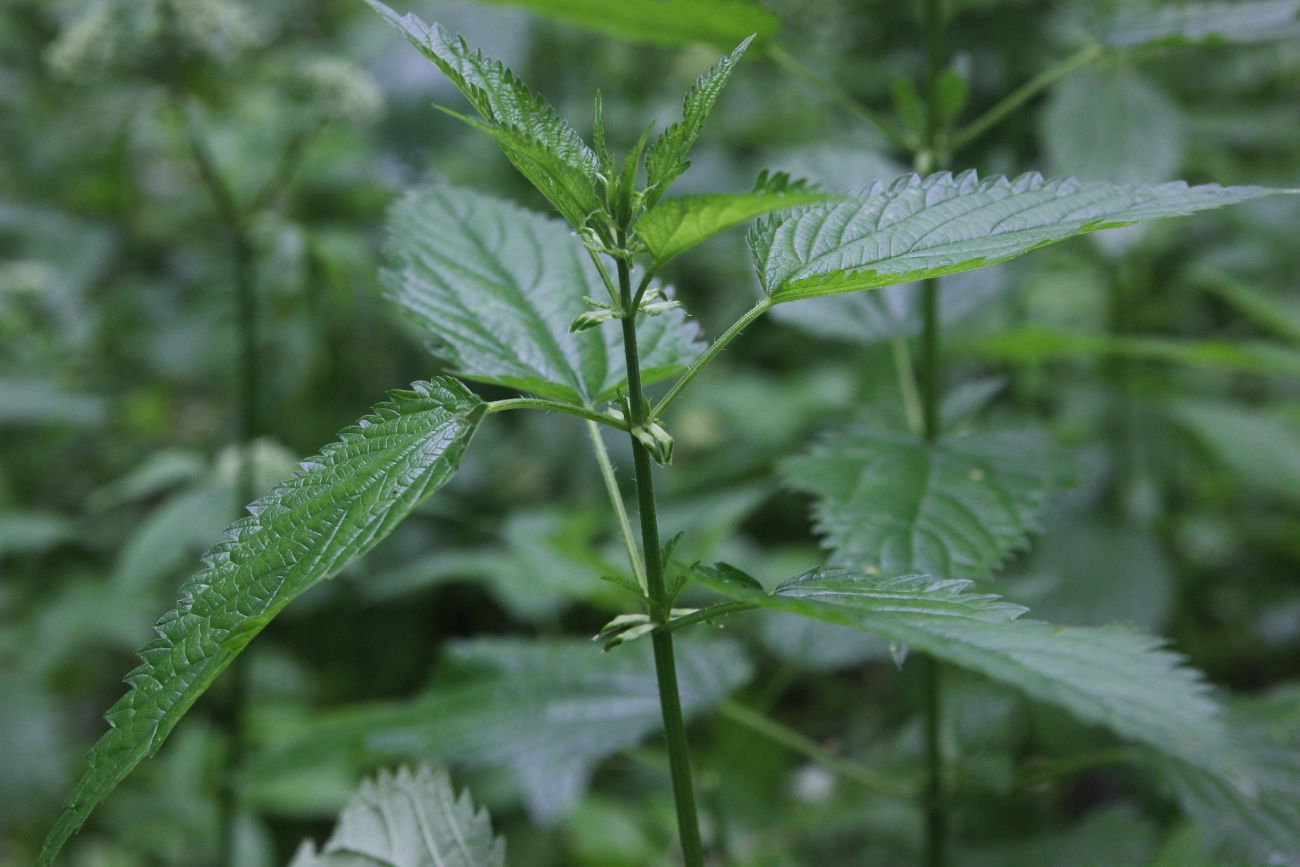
1112	676
342	503
916	228
408	820
891	501
676	225
662	22
540	144
666	158
497	287
1204	24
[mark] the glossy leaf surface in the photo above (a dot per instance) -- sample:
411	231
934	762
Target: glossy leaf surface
916	228
342	503
496	287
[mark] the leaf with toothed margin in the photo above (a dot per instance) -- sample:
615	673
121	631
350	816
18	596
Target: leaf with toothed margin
666	158
1111	676
890	501
496	287
676	225
540	144
408	820
916	228
1214	23
340	505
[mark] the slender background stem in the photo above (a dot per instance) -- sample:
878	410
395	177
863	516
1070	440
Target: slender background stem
670	703
934	156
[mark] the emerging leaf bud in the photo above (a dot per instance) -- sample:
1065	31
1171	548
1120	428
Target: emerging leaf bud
656	440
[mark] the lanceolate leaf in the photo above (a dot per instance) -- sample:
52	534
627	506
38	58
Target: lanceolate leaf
676	225
1112	676
916	228
544	148
1035	344
338	507
408	820
496	287
664	22
891	501
549	710
666	158
1205	23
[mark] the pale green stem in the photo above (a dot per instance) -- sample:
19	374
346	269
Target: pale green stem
785	60
1007	106
907	383
554	406
780	733
709	354
616	500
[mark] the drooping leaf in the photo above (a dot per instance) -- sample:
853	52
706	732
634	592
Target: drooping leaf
496	286
1035	344
1204	23
917	228
1113	125
340	505
540	144
663	22
1262	823
1112	676
1260	447
889	500
549	710
666	158
408	820
676	225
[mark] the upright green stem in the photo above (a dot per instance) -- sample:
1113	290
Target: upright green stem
934	154
670	702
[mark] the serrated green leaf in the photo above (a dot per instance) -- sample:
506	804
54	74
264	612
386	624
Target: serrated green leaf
1261	823
497	286
1204	24
662	22
549	710
1112	676
540	144
916	228
666	158
891	501
408	820
676	225
1034	344
342	503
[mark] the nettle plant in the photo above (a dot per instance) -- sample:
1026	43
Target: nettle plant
573	314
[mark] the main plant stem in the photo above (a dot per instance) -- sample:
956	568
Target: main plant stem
933	155
670	702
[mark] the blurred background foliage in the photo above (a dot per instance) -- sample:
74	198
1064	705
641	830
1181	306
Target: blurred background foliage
1167	358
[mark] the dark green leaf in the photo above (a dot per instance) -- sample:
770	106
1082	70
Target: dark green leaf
497	286
666	158
539	143
1112	676
892	502
917	228
663	22
340	505
676	225
1260	447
